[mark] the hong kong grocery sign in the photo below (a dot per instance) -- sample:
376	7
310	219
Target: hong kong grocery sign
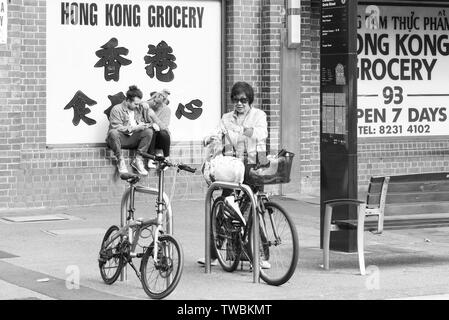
3	22
97	49
403	71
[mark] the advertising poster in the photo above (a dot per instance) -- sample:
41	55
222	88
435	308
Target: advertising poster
403	63
97	49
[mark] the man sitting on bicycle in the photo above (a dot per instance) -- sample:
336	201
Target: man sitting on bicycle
246	132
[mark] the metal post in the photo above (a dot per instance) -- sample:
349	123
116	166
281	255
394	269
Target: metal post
169	217
255	233
208	226
123	211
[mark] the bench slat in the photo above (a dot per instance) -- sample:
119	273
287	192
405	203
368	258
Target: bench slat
414	177
414	208
402	223
419	186
393	197
430	186
415	226
434	176
375	187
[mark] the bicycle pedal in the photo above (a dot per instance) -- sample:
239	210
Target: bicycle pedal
104	256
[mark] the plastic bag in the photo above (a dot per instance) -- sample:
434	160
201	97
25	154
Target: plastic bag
224	168
227	168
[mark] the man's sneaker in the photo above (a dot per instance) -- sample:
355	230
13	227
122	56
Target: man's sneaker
151	164
213	262
138	165
264	264
121	166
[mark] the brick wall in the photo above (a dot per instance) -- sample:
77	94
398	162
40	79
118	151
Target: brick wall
309	139
243	41
401	156
12	100
271	23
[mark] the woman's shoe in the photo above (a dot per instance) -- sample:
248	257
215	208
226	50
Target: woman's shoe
213	262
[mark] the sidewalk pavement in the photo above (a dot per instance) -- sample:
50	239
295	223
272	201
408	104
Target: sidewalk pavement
39	260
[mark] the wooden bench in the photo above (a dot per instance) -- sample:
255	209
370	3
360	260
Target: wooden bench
396	202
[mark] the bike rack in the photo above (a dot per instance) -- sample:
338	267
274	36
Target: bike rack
124	211
255	234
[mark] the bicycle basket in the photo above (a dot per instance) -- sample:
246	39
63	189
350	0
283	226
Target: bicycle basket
277	172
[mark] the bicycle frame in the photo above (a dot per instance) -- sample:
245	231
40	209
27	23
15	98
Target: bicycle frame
127	231
246	189
260	199
127	206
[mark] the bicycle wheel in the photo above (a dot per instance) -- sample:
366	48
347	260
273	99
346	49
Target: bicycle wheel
278	244
160	278
225	237
111	259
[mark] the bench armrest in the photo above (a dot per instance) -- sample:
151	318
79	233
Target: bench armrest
340	202
331	204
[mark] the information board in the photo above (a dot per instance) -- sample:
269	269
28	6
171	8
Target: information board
338	136
334	76
334	27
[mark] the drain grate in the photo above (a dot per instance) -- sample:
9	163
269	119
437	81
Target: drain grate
47	217
76	232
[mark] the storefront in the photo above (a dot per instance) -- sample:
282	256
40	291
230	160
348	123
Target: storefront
56	85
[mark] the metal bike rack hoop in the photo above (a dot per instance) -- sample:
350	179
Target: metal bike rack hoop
255	234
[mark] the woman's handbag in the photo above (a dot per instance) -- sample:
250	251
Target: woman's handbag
223	168
226	168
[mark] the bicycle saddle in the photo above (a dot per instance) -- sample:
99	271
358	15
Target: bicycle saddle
130	177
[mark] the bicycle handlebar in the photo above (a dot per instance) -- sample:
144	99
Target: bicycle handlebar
152	157
186	168
162	159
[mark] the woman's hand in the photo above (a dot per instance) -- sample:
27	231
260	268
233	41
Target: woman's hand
248	132
140	127
210	140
